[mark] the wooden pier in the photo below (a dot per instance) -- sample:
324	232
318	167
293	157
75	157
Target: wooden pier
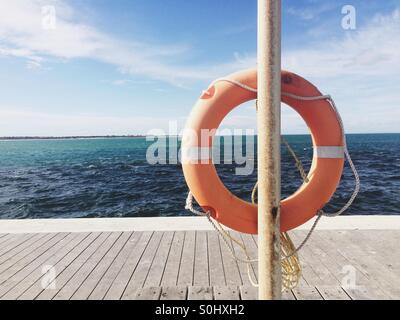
165	258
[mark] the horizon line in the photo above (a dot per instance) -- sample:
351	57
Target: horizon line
27	137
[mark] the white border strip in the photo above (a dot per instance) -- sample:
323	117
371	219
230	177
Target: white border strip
329	152
179	224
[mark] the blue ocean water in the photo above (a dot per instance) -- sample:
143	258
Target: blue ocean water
112	178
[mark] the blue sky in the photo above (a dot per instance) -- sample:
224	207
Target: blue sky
129	66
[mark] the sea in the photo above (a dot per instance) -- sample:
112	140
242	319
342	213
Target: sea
112	177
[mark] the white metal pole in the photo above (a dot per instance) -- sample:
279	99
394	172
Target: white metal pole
268	120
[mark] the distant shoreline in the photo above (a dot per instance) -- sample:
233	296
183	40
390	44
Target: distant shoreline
138	136
71	137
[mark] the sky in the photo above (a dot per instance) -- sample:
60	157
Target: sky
102	67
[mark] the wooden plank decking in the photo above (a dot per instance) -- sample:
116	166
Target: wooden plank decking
356	264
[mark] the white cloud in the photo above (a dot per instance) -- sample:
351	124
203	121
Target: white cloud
30	123
312	11
120	82
22	35
372	50
32	64
352	68
361	71
16	122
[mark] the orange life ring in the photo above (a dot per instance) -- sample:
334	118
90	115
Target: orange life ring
204	182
